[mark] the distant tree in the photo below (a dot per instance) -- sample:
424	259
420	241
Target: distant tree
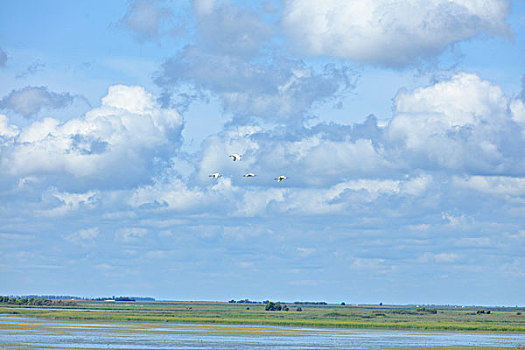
270	306
343	303
299	309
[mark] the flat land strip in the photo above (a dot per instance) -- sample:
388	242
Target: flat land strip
346	316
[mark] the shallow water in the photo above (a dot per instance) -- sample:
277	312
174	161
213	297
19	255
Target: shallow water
21	332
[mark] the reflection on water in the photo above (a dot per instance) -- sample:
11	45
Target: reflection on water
17	332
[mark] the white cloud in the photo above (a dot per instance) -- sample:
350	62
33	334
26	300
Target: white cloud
334	169
391	33
347	196
217	148
494	185
243	232
30	100
7	132
454	220
131	234
475	242
113	145
83	237
256	202
305	252
443	125
158	254
377	265
174	195
147	19
439	257
204	7
517	108
69	202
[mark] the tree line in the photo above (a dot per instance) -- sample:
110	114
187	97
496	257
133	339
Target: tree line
34	301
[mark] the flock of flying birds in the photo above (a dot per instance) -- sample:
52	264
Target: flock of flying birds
236	157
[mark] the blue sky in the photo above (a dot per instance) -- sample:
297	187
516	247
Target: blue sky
400	128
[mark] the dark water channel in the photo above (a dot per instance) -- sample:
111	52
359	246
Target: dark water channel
29	333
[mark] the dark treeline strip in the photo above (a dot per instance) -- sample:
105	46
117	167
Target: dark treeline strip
247	301
34	301
310	303
70	297
53	297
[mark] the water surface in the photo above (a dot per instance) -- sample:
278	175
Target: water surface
23	332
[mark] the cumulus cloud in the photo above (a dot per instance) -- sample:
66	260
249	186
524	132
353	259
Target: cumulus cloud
115	144
146	19
7	132
461	126
282	90
30	100
391	33
444	125
423	152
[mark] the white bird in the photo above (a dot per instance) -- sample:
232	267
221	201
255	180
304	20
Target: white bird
215	175
250	175
236	156
280	178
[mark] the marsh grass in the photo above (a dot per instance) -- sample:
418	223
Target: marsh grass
407	318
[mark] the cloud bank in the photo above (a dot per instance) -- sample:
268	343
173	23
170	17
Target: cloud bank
280	91
458	129
115	144
389	33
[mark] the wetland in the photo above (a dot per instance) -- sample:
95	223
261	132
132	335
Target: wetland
206	325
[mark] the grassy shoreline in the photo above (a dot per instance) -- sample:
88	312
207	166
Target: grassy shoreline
336	316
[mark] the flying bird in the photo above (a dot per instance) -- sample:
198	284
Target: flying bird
215	175
236	156
280	178
250	175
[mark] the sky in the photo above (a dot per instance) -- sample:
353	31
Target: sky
400	127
